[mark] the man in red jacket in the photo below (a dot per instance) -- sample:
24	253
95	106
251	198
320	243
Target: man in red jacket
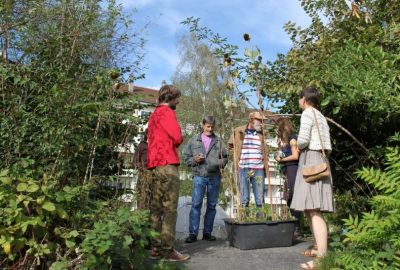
164	137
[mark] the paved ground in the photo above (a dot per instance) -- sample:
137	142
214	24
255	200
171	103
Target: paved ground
219	256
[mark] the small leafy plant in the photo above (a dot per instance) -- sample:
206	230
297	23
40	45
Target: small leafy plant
373	241
118	241
33	213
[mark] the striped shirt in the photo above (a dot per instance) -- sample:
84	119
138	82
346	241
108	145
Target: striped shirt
251	155
308	133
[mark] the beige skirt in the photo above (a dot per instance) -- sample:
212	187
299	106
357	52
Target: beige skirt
317	195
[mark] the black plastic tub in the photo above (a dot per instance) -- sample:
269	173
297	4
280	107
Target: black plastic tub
254	235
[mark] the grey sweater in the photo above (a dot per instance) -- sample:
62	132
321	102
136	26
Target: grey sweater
215	158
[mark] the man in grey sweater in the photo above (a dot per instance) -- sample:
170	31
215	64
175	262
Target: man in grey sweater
207	155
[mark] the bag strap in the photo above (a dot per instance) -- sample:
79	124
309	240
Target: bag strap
319	133
305	157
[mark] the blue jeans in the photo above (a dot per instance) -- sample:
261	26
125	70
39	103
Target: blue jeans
258	188
200	185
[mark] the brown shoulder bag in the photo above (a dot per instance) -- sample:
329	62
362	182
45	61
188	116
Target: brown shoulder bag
317	171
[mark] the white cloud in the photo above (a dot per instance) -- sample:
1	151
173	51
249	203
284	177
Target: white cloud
262	19
161	62
175	19
169	20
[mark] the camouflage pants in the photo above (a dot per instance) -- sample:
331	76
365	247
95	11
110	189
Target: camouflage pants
144	189
163	206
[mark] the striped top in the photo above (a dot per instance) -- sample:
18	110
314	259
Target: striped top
308	133
251	155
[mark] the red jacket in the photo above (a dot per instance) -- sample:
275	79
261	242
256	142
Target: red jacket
164	137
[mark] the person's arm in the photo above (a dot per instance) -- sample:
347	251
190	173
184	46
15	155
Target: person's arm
306	123
188	155
295	152
170	124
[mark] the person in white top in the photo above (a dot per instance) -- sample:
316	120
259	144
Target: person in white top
315	197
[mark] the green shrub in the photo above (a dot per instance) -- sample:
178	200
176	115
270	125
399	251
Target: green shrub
118	241
373	241
35	214
346	203
59	126
47	226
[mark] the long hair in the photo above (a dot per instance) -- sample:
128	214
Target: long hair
285	128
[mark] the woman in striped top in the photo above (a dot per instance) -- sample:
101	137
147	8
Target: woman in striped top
315	197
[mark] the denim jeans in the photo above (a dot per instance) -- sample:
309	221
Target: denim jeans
200	186
258	188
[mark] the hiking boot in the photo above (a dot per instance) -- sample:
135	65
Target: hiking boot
191	238
154	254
209	237
176	256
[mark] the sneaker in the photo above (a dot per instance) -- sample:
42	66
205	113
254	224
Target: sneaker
154	254
191	238
176	256
209	237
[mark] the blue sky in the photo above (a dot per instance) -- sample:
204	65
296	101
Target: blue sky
262	19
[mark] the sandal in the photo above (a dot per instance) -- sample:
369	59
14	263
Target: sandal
311	251
310	265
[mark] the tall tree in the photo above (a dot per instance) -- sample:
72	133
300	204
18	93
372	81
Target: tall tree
60	60
200	78
350	52
60	124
